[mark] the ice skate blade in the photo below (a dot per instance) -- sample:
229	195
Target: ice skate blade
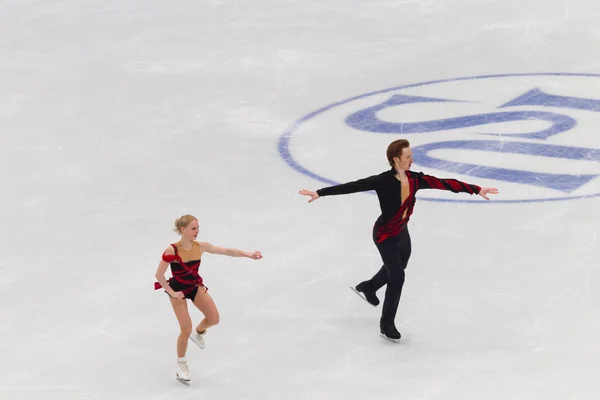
389	339
362	296
184	381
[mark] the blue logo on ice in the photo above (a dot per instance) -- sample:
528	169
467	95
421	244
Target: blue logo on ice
525	123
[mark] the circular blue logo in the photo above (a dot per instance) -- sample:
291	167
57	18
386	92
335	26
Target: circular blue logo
531	135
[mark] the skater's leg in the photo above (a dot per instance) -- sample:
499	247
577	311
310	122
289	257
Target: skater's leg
394	267
369	289
403	250
185	325
394	253
393	293
207	306
404	247
380	279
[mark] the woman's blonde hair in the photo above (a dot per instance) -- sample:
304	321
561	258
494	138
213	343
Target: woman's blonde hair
183	222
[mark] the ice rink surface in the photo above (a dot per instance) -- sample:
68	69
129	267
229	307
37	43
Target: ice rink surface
116	117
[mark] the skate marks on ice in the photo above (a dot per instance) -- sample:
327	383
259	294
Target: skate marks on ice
276	299
58	392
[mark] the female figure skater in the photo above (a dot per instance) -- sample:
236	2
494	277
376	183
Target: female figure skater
396	189
184	257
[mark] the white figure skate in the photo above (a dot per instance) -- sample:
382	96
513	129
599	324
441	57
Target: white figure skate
198	339
183	373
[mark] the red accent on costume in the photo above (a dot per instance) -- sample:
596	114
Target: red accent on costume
170	258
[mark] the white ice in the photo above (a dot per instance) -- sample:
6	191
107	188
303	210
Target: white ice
118	116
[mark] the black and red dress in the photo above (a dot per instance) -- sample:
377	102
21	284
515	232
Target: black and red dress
184	268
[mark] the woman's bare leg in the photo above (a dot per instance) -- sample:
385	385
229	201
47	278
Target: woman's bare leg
207	306
185	325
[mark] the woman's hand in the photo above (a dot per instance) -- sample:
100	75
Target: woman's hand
255	256
313	195
177	295
486	190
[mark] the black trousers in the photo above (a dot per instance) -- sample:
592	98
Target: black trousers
395	253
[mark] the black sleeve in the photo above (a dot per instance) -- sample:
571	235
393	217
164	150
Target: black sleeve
362	185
